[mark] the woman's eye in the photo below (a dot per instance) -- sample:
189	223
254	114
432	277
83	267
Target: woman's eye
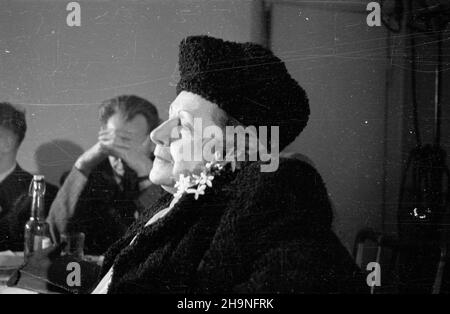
181	130
184	127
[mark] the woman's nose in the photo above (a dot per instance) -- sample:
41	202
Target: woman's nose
164	133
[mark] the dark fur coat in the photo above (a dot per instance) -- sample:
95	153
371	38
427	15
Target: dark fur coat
251	232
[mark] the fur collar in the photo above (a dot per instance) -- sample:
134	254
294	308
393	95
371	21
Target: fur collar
183	214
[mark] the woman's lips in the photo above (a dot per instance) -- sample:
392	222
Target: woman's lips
163	159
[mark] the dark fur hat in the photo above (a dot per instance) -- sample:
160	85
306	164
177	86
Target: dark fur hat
247	81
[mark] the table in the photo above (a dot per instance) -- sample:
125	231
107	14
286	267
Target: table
11	261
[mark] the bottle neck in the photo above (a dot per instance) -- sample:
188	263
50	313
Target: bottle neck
37	207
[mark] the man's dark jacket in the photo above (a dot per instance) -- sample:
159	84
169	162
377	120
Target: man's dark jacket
98	206
251	232
15	206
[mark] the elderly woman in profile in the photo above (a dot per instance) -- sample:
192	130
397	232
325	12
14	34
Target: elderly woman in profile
225	226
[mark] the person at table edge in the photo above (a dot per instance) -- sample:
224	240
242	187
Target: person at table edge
15	203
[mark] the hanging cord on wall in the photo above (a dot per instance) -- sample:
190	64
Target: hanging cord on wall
438	93
414	91
426	163
392	15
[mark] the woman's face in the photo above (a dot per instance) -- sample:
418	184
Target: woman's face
176	134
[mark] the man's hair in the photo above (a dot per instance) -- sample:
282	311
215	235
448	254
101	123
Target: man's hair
129	106
14	120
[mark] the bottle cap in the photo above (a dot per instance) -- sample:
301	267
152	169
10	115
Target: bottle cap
38	177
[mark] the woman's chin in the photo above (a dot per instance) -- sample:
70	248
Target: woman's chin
163	178
169	189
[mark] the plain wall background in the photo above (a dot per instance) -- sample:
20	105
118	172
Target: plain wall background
342	63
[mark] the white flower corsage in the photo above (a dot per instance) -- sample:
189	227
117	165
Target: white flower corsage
197	184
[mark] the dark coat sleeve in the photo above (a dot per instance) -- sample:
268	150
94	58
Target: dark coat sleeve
93	205
282	231
12	229
65	203
86	204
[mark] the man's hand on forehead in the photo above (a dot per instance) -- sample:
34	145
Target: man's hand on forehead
134	149
119	133
125	138
129	147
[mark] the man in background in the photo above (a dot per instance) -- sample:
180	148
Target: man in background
14	181
109	185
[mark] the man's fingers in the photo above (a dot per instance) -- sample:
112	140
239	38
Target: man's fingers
116	150
114	138
118	133
148	142
115	141
114	146
148	146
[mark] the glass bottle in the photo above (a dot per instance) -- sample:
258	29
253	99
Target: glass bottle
37	231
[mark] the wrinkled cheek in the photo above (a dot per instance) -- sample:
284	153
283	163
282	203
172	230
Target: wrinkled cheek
184	158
